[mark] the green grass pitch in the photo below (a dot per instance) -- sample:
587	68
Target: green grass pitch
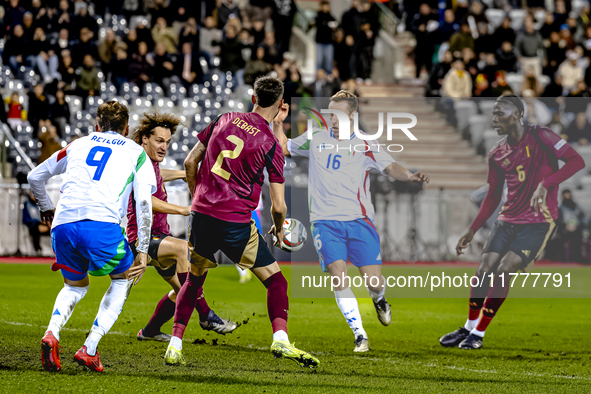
533	345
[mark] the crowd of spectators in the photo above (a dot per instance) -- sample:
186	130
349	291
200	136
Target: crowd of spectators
74	45
544	58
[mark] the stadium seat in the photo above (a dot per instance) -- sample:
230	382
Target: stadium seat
491	137
486	107
75	103
152	91
164	104
176	92
464	109
479	123
495	17
517	17
130	91
189	108
108	91
514	80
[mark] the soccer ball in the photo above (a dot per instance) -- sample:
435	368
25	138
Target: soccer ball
294	235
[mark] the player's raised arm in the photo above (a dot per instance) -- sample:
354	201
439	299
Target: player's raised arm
55	165
491	201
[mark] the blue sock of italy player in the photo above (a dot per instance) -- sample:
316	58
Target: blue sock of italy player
109	310
350	309
63	308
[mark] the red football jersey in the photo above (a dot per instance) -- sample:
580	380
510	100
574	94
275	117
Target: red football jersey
229	180
160	224
524	166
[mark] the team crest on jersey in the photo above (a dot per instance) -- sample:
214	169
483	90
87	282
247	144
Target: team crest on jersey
506	162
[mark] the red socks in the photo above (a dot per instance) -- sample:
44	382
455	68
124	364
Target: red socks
186	301
202	306
277	301
494	299
163	313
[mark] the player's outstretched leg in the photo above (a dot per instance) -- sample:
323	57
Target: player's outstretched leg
348	305
109	310
477	296
277	308
497	293
377	295
63	308
185	303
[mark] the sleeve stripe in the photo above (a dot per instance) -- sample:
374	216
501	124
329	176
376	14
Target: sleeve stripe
141	160
63	153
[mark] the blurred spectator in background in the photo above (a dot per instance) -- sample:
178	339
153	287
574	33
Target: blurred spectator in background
107	50
59	112
28	28
140	70
132	41
460	40
258	32
83	19
256	66
164	67
506	59
536	112
292	83
528	45
370	26
156	8
566	37
282	23
208	35
165	35
325	25
49	139
32	219
570	71
231	54
482	87
438	73
228	9
188	66
555	54
448	27
548	27
503	33
555	124
14	15
457	83
87	83
488	66
47	60
531	82
67	71
190	32
570	224
485	41
38	108
500	86
63	40
16	53
470	63
16	114
579	130
560	14
343	53
120	69
65	18
84	46
272	55
424	47
553	91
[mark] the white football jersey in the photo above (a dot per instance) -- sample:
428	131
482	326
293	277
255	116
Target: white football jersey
338	174
100	171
